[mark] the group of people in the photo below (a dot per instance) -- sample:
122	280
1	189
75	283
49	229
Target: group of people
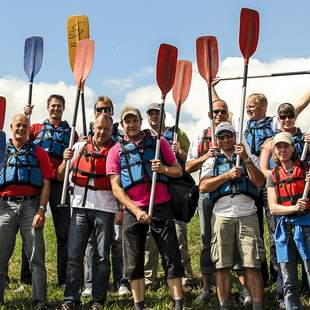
110	176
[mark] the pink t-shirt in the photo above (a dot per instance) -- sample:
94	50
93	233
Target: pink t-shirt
140	193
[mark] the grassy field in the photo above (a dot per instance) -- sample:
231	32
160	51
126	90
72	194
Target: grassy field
159	299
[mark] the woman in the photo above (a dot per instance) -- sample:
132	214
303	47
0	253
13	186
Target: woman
285	186
287	119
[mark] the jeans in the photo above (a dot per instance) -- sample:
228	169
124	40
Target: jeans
83	223
61	219
19	215
289	270
116	255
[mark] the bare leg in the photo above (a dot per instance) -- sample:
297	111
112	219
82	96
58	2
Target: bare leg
137	288
175	286
254	283
223	284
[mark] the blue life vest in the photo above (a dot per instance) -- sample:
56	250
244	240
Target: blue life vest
257	132
242	186
135	162
54	140
21	166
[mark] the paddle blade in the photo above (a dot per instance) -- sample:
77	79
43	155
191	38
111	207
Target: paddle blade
166	67
249	32
83	60
182	81
2	111
2	147
77	30
33	55
207	57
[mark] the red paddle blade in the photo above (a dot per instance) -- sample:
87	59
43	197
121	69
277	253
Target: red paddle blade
207	57
166	67
2	111
249	32
83	62
182	81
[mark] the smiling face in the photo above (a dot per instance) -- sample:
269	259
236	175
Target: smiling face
153	118
226	140
284	151
102	129
256	107
55	109
132	126
20	128
220	112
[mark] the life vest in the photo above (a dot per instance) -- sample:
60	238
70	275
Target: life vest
135	162
257	132
21	167
92	165
205	142
243	185
115	136
54	140
289	188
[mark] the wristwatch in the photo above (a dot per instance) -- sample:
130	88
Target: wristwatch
43	208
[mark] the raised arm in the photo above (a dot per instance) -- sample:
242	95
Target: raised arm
302	102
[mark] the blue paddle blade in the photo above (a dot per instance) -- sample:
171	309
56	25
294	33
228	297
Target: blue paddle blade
33	56
2	147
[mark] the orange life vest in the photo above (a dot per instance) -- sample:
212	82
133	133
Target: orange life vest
290	188
205	142
92	165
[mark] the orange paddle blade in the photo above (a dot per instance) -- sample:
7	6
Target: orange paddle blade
207	57
2	111
83	60
166	67
182	81
249	32
77	29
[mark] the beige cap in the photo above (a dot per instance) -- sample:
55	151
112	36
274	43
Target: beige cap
130	111
285	137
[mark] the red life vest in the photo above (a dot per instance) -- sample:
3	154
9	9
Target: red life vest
205	142
92	165
290	188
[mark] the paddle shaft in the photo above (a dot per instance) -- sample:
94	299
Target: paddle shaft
210	114
157	150
30	96
304	152
176	125
306	190
83	113
245	75
266	75
68	163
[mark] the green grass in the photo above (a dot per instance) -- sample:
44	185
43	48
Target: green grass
155	300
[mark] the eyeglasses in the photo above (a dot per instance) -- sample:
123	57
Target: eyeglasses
220	111
226	135
104	109
283	117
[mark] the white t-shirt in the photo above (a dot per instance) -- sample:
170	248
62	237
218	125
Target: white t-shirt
237	206
101	200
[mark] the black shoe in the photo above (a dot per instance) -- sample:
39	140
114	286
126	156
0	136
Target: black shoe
70	305
203	297
96	306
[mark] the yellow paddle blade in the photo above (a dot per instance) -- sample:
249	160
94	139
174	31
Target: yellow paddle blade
77	29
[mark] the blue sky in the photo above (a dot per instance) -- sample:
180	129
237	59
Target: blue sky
128	33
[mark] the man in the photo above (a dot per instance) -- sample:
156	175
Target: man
199	151
24	191
53	135
130	165
93	212
180	148
104	106
232	190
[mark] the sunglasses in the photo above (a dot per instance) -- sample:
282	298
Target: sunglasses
220	111
285	116
225	135
104	109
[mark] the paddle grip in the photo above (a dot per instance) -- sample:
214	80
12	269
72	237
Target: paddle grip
83	113
68	163
245	75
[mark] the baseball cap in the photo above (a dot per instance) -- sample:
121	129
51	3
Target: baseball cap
130	111
153	106
285	137
224	126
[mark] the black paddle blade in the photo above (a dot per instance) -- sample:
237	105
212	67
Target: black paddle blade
33	56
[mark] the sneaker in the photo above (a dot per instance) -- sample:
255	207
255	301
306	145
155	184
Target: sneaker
203	297
187	288
86	292
244	296
123	290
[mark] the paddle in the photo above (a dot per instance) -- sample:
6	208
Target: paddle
165	74
33	55
2	133
305	150
82	66
248	39
180	90
266	75
77	29
208	64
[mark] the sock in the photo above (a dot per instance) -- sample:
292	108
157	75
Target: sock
139	305
178	304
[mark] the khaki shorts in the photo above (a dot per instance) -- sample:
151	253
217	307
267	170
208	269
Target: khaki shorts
241	235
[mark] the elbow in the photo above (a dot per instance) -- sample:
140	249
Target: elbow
203	187
188	168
